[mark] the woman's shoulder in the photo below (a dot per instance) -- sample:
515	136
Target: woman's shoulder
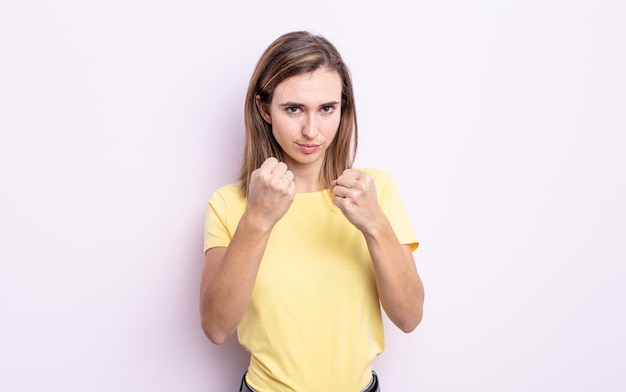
228	190
229	194
384	182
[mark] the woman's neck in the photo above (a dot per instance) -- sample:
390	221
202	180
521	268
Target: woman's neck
309	182
307	178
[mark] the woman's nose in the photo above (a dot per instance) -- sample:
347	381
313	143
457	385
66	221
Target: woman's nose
309	128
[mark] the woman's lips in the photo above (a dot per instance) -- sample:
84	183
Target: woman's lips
308	148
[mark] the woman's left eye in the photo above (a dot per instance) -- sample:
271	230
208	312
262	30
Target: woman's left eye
328	109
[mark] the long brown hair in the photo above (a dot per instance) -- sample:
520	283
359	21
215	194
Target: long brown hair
293	54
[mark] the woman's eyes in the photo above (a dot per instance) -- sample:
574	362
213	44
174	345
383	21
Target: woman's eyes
328	109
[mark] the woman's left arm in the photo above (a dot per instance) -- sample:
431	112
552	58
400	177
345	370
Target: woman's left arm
400	288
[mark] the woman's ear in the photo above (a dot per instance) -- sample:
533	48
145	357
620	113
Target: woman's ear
263	109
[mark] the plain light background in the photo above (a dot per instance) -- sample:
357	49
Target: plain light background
503	123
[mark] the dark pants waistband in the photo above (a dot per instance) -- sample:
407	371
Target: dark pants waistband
373	386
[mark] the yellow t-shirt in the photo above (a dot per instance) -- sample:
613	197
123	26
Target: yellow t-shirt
314	318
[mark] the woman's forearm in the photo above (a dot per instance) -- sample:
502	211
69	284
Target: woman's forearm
399	285
228	278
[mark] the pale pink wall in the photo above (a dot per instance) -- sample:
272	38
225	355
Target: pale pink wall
503	125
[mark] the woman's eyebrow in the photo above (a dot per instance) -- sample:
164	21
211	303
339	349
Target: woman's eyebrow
291	104
297	104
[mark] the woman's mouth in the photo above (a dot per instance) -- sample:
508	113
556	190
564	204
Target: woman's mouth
308	148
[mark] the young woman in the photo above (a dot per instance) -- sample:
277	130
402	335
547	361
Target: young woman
302	253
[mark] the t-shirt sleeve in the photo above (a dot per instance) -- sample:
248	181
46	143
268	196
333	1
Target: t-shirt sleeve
216	233
392	205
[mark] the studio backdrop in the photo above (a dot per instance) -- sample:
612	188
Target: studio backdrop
502	123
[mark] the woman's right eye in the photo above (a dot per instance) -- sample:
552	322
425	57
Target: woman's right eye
293	109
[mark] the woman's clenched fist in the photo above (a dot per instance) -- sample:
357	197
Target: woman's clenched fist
272	191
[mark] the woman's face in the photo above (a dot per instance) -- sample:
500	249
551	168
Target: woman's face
304	114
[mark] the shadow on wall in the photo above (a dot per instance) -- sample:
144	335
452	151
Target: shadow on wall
221	140
229	361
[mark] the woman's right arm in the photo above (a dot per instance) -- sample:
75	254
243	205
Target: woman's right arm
229	273
228	278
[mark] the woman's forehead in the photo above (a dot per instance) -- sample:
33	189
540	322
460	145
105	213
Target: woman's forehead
321	85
